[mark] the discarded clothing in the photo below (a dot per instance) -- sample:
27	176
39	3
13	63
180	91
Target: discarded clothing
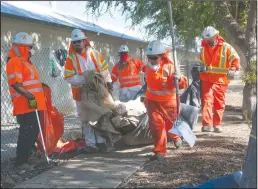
96	108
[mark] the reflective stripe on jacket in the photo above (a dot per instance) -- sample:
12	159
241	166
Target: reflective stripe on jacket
161	82
21	71
75	66
128	76
218	61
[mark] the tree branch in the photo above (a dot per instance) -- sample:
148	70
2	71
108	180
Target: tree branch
225	18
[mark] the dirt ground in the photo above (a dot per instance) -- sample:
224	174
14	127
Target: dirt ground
11	176
213	155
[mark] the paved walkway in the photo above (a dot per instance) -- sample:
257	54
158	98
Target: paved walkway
91	171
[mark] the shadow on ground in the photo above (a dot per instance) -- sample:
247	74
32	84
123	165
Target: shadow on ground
213	156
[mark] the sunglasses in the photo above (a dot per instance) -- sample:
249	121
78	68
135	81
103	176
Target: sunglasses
74	42
152	57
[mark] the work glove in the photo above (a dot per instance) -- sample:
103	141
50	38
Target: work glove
203	68
110	86
177	75
33	104
231	74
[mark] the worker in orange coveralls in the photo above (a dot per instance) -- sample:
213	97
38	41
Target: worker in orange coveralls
127	71
219	62
27	96
161	97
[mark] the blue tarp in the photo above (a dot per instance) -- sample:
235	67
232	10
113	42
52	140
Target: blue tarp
69	21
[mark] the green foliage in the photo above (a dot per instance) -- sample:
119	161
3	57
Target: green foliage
250	73
190	17
239	10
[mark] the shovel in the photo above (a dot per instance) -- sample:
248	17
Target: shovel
180	126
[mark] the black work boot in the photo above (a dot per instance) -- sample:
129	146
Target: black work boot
206	128
90	149
178	143
157	157
217	129
102	147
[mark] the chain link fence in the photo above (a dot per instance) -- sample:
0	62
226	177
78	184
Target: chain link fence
61	98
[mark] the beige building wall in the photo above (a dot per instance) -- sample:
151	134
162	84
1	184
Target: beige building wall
48	38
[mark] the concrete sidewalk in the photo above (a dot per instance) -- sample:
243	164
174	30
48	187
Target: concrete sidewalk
107	170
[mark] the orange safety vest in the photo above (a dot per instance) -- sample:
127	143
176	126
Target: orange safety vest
130	75
21	71
73	67
218	63
161	83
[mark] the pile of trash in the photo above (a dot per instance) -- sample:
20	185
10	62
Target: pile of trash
115	120
111	119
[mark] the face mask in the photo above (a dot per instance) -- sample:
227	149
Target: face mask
124	57
154	67
212	43
32	52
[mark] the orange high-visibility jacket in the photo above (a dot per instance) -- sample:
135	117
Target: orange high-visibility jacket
160	83
219	60
130	75
73	67
19	70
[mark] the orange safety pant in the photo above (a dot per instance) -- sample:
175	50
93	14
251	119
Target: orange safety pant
162	116
213	103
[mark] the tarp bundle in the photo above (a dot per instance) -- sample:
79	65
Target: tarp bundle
111	119
97	106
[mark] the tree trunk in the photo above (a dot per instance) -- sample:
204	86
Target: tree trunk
250	165
234	30
250	33
249	101
245	41
249	93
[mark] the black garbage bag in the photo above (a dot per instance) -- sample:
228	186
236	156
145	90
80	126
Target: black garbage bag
189	114
191	95
141	135
195	72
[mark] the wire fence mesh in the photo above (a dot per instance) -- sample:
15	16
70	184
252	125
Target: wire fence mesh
61	98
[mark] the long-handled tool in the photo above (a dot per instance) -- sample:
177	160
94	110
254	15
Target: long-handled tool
42	138
174	57
181	127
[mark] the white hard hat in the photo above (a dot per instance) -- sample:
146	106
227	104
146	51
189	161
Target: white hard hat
77	35
123	48
23	38
209	32
156	47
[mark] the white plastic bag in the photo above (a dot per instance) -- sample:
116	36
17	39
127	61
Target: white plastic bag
182	129
55	68
132	107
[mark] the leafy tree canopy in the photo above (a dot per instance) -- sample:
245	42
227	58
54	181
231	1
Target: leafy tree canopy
190	17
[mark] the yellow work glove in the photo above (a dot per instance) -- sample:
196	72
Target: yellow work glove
33	104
